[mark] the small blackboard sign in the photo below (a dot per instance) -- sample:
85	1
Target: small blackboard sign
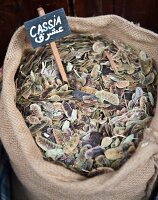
48	28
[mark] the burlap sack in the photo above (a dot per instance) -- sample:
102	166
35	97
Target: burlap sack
46	181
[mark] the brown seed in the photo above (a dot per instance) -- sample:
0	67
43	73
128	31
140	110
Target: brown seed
131	149
114	154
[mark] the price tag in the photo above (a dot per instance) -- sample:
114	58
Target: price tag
48	28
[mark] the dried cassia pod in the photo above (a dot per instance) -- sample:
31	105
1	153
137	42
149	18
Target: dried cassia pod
107	96
45	144
72	144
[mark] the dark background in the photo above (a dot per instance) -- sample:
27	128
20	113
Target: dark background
14	13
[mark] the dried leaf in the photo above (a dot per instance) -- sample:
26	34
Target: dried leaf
114	153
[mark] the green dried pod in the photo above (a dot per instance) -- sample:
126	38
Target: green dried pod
55	154
106	141
129	138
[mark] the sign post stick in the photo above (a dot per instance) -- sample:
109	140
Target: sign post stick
55	52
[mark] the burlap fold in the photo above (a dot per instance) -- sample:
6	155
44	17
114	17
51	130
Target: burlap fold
46	181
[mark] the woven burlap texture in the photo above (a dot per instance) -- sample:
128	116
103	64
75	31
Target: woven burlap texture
46	181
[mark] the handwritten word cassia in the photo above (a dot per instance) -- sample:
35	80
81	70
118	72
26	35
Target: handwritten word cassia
48	28
38	31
